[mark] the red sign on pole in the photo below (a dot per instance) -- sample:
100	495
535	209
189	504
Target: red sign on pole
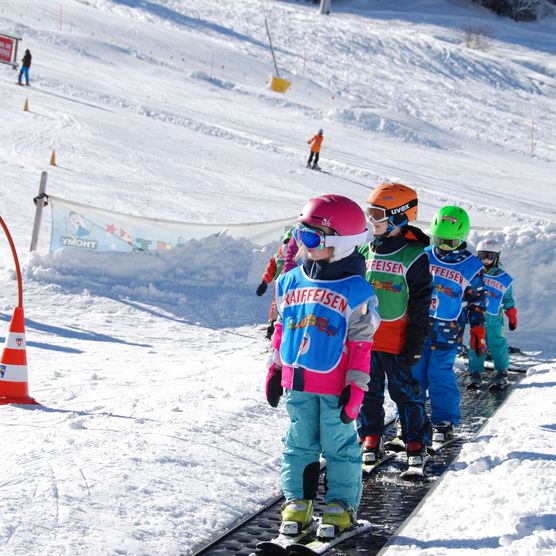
6	49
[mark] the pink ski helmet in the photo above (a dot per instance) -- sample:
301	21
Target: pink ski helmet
341	214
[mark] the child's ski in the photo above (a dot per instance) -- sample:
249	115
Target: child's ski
498	386
279	544
395	445
438	445
370	467
321	545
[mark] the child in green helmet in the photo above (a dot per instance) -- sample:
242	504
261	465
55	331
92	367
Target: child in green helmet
458	296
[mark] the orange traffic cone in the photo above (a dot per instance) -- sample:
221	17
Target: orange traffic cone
53	158
13	365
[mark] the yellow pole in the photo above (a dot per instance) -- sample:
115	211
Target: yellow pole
26	106
53	158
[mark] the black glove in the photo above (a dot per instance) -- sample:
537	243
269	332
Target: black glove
270	330
274	388
261	288
411	353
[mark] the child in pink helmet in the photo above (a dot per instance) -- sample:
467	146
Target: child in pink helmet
322	346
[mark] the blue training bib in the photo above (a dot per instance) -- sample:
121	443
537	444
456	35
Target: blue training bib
315	314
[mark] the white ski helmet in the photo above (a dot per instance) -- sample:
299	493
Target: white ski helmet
489	250
490	245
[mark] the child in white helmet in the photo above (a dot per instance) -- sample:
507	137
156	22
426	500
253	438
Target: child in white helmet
498	286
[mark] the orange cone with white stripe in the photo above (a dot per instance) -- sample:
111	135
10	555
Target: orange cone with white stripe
13	365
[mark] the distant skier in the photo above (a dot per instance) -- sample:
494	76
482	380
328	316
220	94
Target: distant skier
315	142
322	347
272	272
458	284
25	65
498	286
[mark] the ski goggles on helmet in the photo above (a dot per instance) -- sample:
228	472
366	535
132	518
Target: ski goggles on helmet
315	239
487	255
377	214
312	238
447	244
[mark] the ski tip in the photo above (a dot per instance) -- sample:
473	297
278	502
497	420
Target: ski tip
413	477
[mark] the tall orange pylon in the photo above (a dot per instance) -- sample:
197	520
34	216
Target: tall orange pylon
13	365
53	158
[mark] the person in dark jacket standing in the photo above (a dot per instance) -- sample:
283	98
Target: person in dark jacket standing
398	270
26	64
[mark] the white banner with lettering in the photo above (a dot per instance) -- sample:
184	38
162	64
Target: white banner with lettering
91	228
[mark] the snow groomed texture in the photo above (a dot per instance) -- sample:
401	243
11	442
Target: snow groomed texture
387	500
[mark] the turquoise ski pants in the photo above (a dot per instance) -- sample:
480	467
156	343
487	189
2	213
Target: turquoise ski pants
316	429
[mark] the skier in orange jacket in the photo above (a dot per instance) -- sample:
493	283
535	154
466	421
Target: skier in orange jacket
315	143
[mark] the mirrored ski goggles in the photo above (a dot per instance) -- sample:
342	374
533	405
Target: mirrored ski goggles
376	214
487	255
313	238
447	244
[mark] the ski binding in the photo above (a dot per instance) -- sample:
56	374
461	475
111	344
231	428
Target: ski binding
370	466
415	468
287	536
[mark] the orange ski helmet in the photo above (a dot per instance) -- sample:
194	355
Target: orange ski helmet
394	202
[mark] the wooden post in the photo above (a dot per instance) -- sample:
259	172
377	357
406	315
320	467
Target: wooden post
40	202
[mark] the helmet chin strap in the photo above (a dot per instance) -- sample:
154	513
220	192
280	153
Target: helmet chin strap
341	253
344	245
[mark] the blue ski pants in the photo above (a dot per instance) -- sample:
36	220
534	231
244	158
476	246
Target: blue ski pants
435	373
403	389
496	344
316	429
24	71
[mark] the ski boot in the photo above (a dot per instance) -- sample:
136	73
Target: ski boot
316	167
296	515
500	381
417	457
373	449
442	434
442	431
337	518
474	381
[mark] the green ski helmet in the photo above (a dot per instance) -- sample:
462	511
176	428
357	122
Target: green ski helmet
450	227
287	235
